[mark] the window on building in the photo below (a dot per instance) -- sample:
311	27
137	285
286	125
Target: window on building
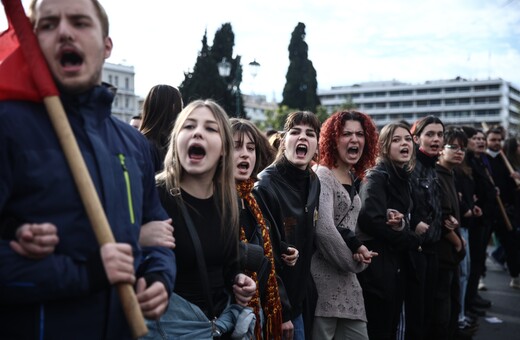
463	101
116	81
435	102
450	90
436	90
463	89
355	95
395	104
407	92
450	101
127	83
395	93
408	103
368	106
380	94
481	88
110	79
380	105
494	87
116	101
127	102
422	103
368	94
422	91
480	100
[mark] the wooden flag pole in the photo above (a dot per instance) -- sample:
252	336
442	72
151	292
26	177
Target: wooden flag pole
47	89
92	205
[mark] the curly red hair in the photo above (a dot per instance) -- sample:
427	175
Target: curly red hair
331	130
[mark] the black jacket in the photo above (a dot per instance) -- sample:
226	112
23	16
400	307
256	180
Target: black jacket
291	197
426	198
485	189
386	187
448	256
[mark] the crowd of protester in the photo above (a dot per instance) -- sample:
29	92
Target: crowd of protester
318	231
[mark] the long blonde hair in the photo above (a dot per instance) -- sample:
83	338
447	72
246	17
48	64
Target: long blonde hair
223	180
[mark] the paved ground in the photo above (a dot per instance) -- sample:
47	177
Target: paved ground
505	306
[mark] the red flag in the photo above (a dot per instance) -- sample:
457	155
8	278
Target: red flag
19	80
16	81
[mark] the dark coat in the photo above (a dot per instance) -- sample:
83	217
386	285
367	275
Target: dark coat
294	214
426	197
385	187
66	295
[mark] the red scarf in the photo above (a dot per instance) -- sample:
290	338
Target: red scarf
273	307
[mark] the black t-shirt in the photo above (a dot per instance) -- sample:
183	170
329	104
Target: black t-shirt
221	263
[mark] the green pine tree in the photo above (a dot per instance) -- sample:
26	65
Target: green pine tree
205	82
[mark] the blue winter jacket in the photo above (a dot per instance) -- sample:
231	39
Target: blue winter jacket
66	295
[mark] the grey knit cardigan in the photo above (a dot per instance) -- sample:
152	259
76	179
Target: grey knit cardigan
333	267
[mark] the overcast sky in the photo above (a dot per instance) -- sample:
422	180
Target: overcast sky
349	41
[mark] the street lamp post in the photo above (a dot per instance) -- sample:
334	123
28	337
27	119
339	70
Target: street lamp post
224	70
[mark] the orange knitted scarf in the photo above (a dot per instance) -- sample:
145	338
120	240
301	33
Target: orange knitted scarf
273	307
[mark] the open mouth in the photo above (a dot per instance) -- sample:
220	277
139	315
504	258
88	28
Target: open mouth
71	59
353	150
196	152
404	152
243	166
301	150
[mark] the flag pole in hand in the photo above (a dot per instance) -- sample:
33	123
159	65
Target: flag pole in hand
46	90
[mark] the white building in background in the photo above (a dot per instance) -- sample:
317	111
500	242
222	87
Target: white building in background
256	106
125	104
455	101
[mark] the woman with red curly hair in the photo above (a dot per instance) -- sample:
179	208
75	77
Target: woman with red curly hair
348	146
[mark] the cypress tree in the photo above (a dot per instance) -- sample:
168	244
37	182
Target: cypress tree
300	90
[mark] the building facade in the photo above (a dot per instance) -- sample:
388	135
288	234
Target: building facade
256	106
125	104
456	101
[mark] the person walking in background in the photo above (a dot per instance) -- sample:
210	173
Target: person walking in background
348	146
160	109
290	191
426	221
384	227
67	291
253	153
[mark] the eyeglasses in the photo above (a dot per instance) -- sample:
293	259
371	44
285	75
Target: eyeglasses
455	148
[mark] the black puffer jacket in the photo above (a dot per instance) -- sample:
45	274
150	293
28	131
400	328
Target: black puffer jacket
290	198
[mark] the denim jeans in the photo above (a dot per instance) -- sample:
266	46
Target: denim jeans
299	329
464	266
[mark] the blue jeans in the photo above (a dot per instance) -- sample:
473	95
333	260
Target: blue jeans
464	266
299	329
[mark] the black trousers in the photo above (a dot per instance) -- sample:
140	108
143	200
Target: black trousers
479	234
446	307
421	287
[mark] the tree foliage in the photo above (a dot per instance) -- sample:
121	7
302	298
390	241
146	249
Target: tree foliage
300	90
205	82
